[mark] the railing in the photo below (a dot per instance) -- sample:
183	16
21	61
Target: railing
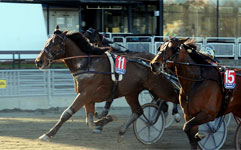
16	56
34	82
226	47
36	89
239	46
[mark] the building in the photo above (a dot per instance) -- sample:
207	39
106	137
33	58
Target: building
198	18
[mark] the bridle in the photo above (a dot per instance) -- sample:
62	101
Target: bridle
175	53
169	59
60	51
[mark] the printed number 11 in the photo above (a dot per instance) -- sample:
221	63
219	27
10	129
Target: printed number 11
121	62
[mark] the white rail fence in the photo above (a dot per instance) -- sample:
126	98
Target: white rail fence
36	89
224	46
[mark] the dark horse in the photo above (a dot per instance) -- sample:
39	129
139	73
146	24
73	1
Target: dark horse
92	79
202	96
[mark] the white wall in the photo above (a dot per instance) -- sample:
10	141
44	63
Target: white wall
22	27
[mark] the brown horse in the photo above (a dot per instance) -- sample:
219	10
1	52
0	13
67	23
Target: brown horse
99	40
92	79
201	97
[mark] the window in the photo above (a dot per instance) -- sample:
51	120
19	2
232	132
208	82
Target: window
144	20
116	21
66	18
190	18
229	18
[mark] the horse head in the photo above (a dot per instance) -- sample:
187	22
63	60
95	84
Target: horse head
168	51
54	48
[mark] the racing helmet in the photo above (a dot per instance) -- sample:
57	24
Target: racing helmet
208	50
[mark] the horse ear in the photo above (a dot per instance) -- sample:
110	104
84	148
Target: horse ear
183	40
56	28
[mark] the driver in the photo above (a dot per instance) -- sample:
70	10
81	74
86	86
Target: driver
209	51
99	40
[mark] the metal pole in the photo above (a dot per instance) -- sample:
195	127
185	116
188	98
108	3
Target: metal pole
80	18
13	63
102	20
47	19
217	18
49	86
19	63
161	18
130	19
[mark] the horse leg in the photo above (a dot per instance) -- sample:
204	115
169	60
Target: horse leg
98	125
191	127
73	108
90	111
137	111
106	109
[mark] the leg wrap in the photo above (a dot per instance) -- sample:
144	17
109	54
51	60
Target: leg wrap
64	117
66	114
124	127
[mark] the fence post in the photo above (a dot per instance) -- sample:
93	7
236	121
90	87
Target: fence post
236	50
49	90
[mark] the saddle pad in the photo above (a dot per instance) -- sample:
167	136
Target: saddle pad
112	66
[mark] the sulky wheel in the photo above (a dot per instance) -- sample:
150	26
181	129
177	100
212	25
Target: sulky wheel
149	127
215	132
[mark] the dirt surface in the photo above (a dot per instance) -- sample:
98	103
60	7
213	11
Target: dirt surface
21	129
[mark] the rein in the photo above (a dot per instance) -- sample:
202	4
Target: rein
89	56
95	56
193	64
194	80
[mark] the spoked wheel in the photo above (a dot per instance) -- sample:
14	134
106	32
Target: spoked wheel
237	138
216	133
149	127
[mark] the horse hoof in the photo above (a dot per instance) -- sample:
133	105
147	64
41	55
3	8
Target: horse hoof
200	136
177	117
120	138
44	137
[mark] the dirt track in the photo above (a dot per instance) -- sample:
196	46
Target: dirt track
20	130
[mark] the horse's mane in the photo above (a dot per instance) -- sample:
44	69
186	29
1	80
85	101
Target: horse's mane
79	39
196	56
